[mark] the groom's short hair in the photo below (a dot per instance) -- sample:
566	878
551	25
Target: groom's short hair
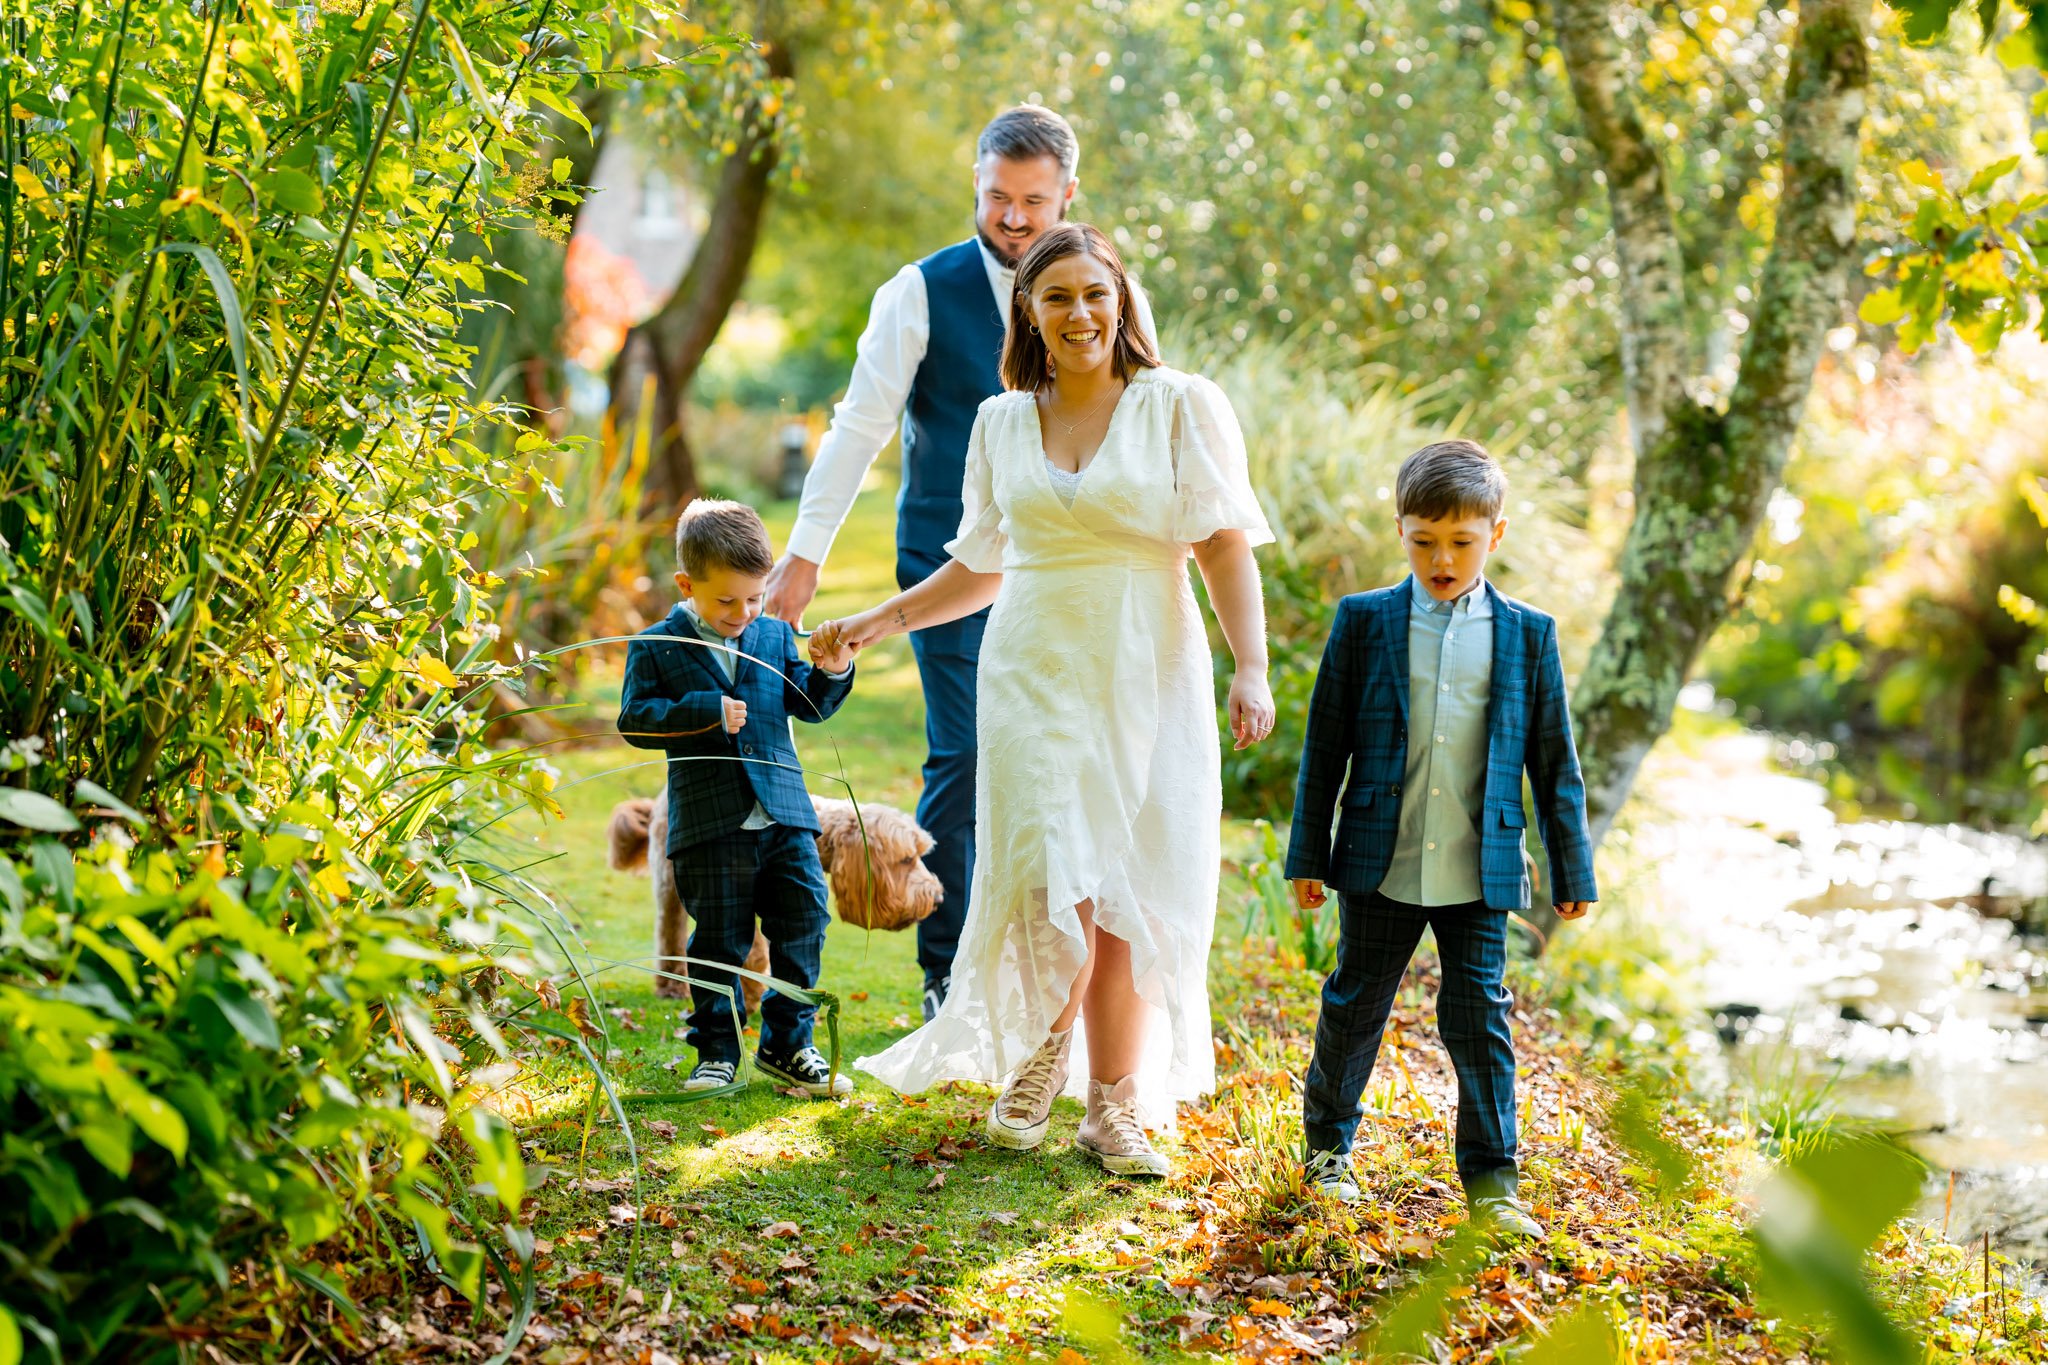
1030	131
1451	479
714	534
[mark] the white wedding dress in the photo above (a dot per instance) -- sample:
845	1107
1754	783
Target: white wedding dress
1098	768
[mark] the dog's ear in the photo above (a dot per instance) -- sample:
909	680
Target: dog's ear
628	834
845	854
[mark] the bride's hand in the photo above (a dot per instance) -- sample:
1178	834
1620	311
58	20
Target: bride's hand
855	632
1251	708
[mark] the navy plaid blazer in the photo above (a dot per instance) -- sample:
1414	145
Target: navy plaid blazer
673	700
1358	721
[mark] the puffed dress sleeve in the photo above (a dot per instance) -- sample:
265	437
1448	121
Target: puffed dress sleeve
1212	478
982	537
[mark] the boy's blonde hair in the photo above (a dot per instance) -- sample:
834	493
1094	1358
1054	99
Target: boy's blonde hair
714	534
1451	480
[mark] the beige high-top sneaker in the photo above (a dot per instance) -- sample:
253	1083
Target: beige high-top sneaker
1021	1114
1114	1131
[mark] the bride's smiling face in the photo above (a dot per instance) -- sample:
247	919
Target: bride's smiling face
1075	304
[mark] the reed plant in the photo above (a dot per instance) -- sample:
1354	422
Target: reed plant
256	944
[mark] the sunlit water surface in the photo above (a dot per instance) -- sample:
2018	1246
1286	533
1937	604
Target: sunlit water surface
1869	952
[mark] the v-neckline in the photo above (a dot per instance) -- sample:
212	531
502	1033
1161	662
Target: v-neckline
1046	466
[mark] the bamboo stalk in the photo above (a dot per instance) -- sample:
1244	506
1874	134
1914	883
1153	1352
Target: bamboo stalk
156	725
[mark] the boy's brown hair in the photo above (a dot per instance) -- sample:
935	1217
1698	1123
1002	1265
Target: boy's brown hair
714	534
1451	480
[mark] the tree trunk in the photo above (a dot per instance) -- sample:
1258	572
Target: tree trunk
674	341
1704	476
1656	351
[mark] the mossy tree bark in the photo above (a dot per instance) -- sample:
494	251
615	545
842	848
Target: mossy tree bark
1704	473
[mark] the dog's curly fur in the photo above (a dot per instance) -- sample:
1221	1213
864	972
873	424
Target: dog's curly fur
874	857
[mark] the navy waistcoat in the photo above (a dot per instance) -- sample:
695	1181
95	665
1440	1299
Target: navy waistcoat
961	368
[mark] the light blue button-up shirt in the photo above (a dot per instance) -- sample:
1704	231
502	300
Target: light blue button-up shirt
1450	674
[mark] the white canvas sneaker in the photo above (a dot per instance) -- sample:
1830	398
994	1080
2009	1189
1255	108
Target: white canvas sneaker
1021	1114
1115	1132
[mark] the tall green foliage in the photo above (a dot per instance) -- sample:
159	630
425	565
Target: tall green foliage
249	947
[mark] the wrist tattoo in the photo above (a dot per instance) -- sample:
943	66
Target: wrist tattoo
901	619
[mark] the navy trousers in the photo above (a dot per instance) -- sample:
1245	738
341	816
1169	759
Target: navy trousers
1378	937
948	657
771	876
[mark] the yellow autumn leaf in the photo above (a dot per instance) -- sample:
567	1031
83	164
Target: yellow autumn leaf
434	671
26	182
332	880
1921	174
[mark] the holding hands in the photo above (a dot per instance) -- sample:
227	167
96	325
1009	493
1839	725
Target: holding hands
831	649
833	646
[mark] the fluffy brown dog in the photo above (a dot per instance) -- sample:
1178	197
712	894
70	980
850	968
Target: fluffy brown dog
875	860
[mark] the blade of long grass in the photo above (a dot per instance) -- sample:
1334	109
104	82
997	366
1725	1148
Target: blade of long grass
231	317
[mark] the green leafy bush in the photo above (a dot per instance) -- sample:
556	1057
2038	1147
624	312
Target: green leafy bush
241	1013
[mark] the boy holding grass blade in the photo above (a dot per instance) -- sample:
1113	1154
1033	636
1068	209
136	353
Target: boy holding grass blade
715	680
1435	695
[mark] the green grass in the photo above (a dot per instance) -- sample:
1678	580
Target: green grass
776	1228
885	1193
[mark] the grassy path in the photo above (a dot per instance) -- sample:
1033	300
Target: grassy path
769	1227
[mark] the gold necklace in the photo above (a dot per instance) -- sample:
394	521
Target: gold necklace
1073	425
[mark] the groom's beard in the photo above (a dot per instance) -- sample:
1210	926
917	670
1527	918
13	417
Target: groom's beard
997	249
1002	253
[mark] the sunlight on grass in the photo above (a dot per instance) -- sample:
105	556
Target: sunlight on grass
786	1137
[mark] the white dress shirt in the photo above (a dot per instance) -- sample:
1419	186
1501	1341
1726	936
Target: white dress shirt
884	367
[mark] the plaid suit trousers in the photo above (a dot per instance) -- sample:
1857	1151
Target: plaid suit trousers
771	875
1378	937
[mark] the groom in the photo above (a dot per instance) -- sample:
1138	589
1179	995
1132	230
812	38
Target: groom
927	359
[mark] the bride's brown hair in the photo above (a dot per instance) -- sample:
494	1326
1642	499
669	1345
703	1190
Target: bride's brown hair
1024	353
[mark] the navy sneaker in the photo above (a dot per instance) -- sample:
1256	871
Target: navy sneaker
1506	1217
935	989
708	1075
807	1070
1330	1173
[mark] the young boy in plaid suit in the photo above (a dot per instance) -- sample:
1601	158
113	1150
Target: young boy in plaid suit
1432	699
714	685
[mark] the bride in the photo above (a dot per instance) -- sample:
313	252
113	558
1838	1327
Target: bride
1098	795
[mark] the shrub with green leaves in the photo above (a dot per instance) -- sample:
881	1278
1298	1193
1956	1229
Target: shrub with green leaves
250	946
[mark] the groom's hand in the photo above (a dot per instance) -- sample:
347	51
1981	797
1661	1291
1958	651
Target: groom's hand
792	583
1309	893
1572	909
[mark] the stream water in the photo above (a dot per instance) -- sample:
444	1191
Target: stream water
1873	953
